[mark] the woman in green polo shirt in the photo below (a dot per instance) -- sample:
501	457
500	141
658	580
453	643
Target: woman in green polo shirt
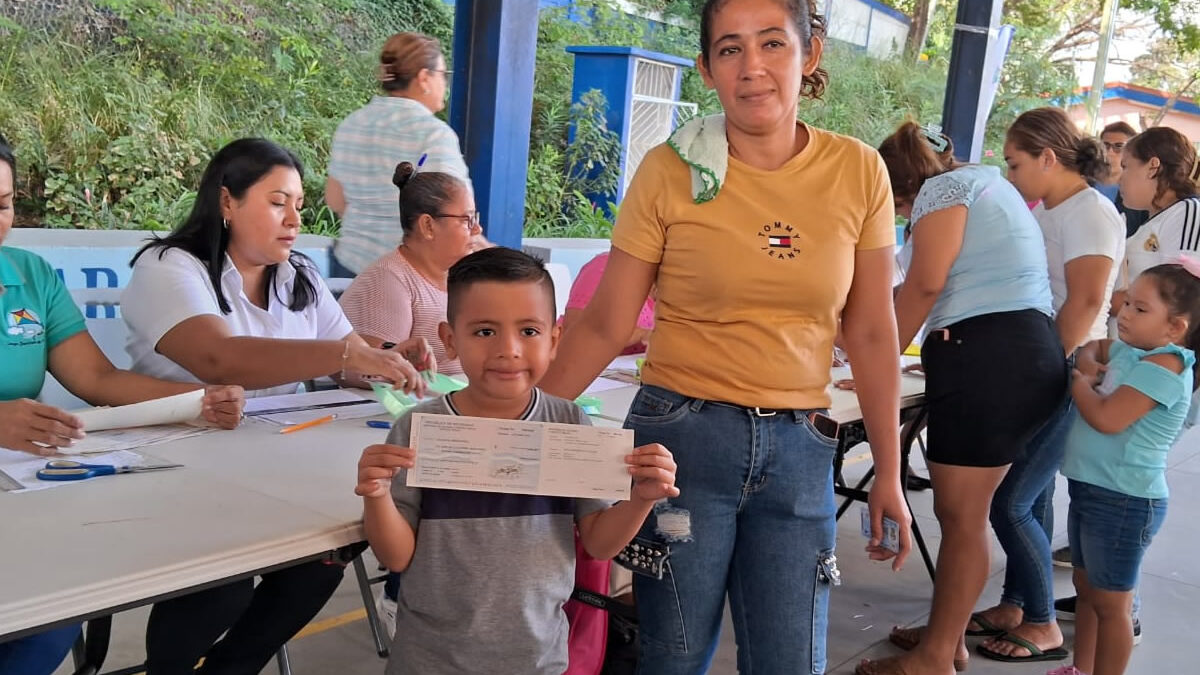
42	330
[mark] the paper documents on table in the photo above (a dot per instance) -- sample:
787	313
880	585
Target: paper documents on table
18	470
537	458
170	410
128	439
290	409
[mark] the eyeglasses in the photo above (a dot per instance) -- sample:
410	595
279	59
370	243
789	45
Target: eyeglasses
469	220
1114	147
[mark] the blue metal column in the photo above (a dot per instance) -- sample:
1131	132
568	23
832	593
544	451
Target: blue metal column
491	106
977	22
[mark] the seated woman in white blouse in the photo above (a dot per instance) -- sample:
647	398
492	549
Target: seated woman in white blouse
224	299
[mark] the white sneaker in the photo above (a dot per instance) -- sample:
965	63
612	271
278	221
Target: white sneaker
387	615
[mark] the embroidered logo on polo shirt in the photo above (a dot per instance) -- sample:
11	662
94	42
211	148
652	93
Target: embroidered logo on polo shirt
777	242
24	323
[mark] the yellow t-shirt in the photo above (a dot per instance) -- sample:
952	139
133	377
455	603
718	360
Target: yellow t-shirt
751	284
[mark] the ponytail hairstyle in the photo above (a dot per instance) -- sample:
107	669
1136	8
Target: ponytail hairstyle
1040	129
204	233
423	193
809	24
404	56
1179	167
913	155
1179	288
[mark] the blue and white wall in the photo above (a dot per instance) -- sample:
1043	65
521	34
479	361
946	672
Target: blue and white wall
869	25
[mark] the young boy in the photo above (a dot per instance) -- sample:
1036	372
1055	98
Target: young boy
485	581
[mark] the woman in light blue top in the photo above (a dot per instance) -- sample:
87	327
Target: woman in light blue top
1050	162
1129	414
993	362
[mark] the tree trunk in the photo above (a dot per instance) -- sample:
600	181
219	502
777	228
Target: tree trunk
919	31
1158	117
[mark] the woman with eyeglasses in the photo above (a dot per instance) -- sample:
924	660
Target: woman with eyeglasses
403	294
398	126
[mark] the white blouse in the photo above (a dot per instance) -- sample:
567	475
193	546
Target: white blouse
164	292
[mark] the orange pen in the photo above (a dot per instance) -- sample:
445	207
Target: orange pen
308	424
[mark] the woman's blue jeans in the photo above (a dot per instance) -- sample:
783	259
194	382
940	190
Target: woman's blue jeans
754	520
1023	518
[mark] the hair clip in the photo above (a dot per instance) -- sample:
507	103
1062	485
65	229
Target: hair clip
1188	263
934	137
384	74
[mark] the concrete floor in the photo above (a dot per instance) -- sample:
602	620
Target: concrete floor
870	600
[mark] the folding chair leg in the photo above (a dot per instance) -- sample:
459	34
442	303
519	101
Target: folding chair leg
89	653
364	587
281	660
78	652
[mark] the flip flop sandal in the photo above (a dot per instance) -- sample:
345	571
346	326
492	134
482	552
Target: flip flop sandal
1035	653
905	638
986	628
908	638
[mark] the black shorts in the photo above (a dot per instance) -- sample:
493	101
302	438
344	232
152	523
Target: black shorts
991	382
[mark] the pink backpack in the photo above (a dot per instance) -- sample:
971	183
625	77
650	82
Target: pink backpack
589	625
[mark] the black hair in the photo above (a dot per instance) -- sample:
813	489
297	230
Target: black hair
236	167
423	192
1180	291
809	24
496	264
6	156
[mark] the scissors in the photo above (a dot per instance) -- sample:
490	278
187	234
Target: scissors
66	469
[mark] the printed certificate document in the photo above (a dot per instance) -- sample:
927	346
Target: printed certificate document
537	458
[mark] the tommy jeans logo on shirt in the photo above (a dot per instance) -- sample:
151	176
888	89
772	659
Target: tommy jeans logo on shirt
777	241
24	323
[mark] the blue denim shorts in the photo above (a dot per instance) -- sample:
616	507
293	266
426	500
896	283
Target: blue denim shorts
1110	532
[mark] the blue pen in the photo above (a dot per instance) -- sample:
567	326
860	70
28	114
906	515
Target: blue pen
421	162
379	424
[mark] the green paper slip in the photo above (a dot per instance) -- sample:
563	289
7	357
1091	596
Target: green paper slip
397	402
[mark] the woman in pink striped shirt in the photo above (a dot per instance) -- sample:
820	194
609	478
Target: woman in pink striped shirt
403	294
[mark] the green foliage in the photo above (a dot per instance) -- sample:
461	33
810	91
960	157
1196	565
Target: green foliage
1166	66
114	132
1178	19
556	201
868	98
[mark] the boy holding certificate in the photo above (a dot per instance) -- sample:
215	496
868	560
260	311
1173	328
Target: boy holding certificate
484	588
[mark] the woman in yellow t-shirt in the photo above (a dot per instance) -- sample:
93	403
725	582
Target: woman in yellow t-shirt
793	231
